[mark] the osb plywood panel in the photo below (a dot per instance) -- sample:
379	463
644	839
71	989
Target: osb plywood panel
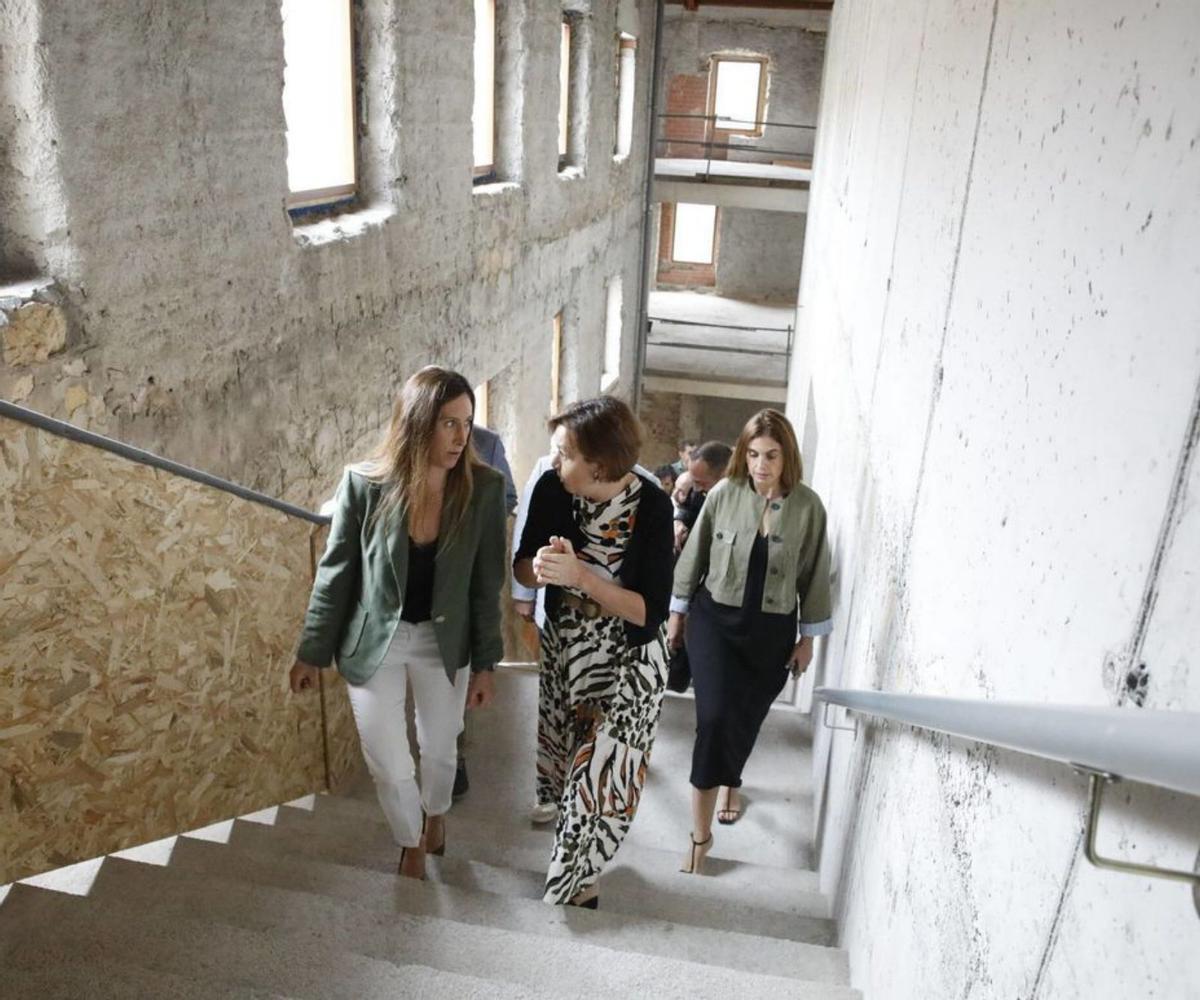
146	629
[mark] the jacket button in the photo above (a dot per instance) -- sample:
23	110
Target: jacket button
770	600
776	506
776	538
774	570
439	619
720	535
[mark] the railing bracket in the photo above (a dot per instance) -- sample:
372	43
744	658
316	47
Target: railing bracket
1097	780
829	725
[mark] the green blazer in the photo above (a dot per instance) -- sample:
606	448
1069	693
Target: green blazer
359	588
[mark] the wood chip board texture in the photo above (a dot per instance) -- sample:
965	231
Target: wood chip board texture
147	623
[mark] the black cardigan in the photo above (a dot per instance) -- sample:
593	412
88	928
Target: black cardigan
649	561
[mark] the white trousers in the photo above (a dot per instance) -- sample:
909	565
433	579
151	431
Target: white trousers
412	658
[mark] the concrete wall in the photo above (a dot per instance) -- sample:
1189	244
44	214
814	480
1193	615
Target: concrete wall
999	326
142	183
760	254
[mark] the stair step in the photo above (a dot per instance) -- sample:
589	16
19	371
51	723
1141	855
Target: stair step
360	823
625	893
69	979
42	929
514	940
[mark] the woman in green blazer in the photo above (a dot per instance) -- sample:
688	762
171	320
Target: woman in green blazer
407	593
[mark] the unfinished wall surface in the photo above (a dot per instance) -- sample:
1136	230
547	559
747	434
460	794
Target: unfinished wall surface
794	44
1000	330
143	181
147	624
760	254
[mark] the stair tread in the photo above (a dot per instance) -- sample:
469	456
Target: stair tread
650	893
286	940
530	847
107	980
40	928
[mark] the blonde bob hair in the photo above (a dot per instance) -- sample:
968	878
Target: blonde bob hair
774	425
401	462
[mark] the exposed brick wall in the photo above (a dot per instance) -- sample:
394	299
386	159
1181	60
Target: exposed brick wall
686	95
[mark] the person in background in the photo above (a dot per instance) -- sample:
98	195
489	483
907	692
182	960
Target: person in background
598	538
490	449
666	475
752	590
408	592
686	447
706	469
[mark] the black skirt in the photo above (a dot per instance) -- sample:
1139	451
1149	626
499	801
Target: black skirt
739	661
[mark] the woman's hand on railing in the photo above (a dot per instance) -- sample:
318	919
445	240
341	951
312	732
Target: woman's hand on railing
303	677
801	656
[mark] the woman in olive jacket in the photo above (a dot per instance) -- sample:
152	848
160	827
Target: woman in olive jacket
407	594
753	583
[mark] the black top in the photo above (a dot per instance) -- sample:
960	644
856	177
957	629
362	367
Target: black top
689	510
751	637
418	588
649	560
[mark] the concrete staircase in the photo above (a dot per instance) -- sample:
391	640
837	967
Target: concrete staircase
303	900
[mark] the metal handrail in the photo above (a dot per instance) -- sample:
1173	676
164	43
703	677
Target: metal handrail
740	121
728	145
72	433
1153	747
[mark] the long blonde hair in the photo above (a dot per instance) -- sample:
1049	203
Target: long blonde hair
401	462
774	425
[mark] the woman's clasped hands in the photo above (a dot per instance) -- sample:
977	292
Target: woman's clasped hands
557	564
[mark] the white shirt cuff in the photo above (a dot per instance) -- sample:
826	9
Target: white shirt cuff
680	605
816	628
522	593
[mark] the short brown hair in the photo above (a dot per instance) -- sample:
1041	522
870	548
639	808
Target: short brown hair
774	425
606	433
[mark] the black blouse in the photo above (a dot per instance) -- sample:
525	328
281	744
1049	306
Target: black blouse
418	590
648	566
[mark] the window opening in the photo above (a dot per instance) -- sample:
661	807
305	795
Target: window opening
739	87
626	81
483	117
556	345
612	336
482	404
318	103
564	93
694	238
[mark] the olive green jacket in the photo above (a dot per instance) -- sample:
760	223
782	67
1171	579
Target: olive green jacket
359	588
717	553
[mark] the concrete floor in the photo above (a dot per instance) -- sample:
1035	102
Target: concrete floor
696	362
678	167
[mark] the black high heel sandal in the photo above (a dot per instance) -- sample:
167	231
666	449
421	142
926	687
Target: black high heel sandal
695	862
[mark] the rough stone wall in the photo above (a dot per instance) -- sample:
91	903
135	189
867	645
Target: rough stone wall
143	184
999	324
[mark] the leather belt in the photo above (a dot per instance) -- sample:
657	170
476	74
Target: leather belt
584	605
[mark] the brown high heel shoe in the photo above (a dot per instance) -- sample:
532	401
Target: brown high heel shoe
699	851
400	867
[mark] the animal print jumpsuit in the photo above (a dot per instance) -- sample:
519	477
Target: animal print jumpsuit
600	700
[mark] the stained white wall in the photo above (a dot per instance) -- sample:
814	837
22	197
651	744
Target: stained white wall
999	360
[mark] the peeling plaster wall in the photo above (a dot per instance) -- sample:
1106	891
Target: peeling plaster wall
203	325
999	353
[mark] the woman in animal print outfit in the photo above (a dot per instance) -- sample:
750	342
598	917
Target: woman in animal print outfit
598	537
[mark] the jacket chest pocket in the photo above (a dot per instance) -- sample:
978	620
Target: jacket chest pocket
352	634
720	556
